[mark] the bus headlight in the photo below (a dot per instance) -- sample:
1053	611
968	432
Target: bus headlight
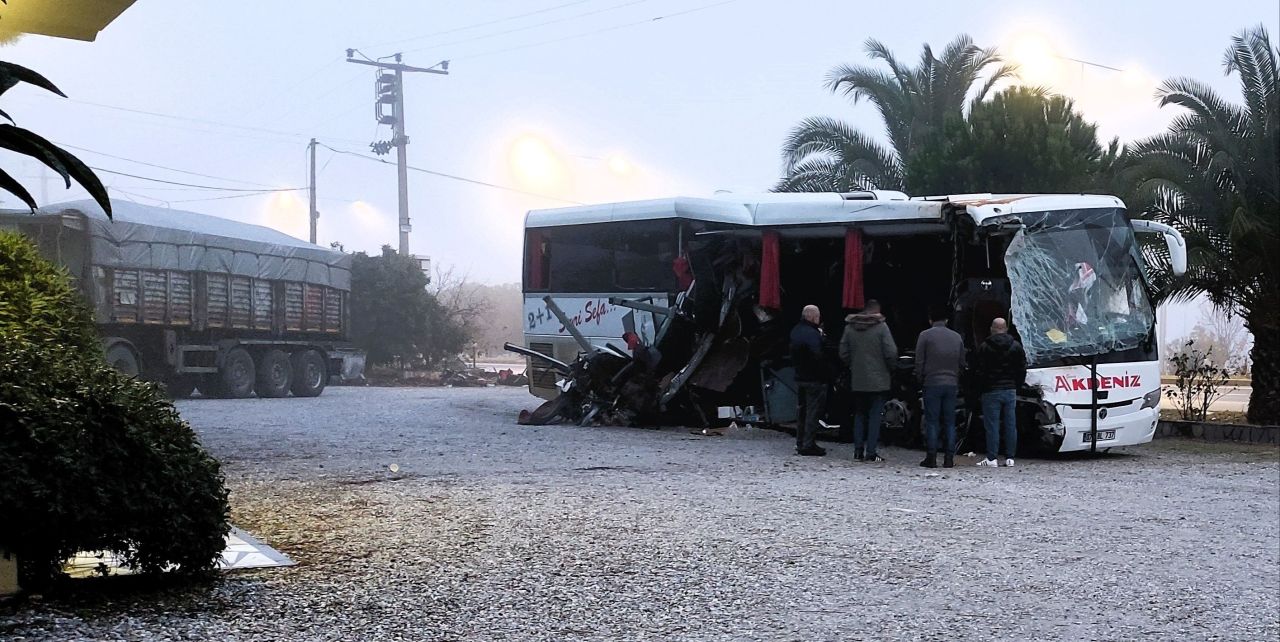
1151	399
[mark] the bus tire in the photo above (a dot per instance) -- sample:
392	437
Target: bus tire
121	357
310	373
236	375
274	375
180	386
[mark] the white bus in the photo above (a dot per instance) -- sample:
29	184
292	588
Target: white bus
1067	271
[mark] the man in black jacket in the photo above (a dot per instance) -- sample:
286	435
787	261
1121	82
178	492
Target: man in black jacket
1002	366
813	376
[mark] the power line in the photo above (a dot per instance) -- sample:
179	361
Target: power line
274	132
207	187
223	198
452	176
170	169
597	31
528	27
131	196
293	85
476	25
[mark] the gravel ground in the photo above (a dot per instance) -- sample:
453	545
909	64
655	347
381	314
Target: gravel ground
493	531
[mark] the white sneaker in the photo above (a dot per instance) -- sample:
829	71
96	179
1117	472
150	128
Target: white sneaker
989	462
1008	463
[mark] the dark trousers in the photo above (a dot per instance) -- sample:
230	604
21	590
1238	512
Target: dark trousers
940	413
998	408
813	404
868	410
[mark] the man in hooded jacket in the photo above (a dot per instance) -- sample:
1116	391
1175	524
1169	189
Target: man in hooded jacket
868	350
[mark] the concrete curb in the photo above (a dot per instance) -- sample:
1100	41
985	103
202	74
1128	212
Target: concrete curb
1215	432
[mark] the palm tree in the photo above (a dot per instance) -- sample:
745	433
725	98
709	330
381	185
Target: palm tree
825	154
1214	176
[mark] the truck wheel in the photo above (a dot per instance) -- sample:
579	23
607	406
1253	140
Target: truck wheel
310	373
180	386
236	376
122	358
275	374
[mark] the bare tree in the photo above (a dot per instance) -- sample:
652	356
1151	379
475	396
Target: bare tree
1228	339
464	303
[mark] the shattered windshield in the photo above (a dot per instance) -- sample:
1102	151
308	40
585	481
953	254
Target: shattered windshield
1078	288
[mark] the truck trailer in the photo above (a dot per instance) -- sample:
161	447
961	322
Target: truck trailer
196	301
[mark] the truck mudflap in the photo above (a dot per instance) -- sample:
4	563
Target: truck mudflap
349	366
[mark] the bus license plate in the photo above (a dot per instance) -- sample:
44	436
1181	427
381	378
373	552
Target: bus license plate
1103	435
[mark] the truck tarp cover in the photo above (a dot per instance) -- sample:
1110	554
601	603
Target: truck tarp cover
144	237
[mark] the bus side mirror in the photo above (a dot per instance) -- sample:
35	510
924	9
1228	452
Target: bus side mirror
1172	239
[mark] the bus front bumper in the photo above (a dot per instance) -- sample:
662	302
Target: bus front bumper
1115	429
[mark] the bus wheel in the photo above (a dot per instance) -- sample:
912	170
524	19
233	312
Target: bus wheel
236	376
275	374
121	357
180	386
310	373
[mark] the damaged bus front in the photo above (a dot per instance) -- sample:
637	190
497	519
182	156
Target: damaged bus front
1081	305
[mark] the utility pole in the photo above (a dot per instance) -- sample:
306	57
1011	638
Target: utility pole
389	90
44	185
311	190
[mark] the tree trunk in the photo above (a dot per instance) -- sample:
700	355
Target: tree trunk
1264	401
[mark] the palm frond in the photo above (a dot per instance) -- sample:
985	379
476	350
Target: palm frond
823	138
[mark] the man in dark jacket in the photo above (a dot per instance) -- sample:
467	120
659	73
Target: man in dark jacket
1002	366
812	378
868	350
939	360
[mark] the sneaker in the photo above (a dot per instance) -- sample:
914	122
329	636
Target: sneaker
1009	462
816	451
859	455
873	459
991	463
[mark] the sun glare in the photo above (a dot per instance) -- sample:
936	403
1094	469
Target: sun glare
535	164
619	165
287	212
1037	60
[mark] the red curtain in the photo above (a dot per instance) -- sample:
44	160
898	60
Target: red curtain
535	255
770	287
853	294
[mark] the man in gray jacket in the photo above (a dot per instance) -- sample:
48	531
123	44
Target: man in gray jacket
939	360
867	348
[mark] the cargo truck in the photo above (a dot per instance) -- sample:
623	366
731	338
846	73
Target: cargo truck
196	301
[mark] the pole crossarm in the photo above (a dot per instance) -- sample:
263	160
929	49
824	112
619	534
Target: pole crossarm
398	66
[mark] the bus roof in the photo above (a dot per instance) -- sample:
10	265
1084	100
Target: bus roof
754	210
808	209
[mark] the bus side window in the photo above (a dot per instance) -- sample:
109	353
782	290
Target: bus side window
644	256
580	259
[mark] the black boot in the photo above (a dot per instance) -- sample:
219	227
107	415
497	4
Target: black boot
858	454
948	461
930	460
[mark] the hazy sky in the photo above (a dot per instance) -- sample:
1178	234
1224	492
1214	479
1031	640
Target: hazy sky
585	101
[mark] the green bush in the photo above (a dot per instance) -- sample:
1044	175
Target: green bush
90	459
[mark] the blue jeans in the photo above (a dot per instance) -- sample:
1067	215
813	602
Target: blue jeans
999	417
940	403
868	407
